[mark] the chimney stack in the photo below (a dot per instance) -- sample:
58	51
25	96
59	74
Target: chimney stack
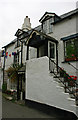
26	25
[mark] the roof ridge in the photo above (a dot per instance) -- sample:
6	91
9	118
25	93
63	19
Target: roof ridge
65	14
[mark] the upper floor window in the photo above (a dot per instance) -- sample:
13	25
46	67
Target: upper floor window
47	27
16	58
50	26
71	49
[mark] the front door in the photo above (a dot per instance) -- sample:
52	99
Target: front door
52	50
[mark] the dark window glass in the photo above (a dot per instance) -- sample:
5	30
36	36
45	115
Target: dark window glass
52	50
71	49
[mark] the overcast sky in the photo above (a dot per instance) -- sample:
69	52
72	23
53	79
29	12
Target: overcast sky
13	12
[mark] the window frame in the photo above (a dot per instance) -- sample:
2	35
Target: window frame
16	59
50	42
74	56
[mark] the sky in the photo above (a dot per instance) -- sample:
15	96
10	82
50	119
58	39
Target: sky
13	12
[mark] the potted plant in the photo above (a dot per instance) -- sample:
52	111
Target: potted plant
72	80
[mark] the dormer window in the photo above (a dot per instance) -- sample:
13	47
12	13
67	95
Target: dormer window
47	19
45	26
50	25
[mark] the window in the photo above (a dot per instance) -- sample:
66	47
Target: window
52	50
16	58
71	49
45	26
50	26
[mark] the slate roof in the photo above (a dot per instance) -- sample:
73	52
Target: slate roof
66	15
69	13
12	42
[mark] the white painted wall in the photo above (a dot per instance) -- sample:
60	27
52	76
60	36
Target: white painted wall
69	69
9	60
1	78
41	87
24	53
32	53
41	51
62	29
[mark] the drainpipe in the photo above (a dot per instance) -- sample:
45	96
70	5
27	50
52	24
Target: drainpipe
21	53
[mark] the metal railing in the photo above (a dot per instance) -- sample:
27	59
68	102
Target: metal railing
72	66
70	84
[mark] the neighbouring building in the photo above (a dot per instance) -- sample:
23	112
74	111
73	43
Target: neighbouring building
1	72
44	53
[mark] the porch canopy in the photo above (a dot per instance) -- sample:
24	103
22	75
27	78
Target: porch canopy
37	39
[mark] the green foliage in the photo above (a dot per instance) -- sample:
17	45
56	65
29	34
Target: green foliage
8	92
12	72
70	50
4	87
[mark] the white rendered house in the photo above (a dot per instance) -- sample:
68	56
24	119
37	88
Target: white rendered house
44	51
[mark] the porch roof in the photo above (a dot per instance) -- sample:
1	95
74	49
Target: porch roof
38	38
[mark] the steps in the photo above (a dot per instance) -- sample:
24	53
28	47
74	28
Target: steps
45	88
60	87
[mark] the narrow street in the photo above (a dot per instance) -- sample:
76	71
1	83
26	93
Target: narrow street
13	110
0	105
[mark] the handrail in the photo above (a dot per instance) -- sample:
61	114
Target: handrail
65	75
72	65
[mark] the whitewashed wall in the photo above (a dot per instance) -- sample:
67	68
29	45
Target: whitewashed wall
32	53
24	53
9	60
1	78
40	86
62	29
41	51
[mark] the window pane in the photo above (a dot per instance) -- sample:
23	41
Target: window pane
50	26
52	50
71	49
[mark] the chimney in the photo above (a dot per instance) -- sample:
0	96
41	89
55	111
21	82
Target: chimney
26	25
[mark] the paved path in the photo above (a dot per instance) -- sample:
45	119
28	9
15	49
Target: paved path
0	104
12	110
